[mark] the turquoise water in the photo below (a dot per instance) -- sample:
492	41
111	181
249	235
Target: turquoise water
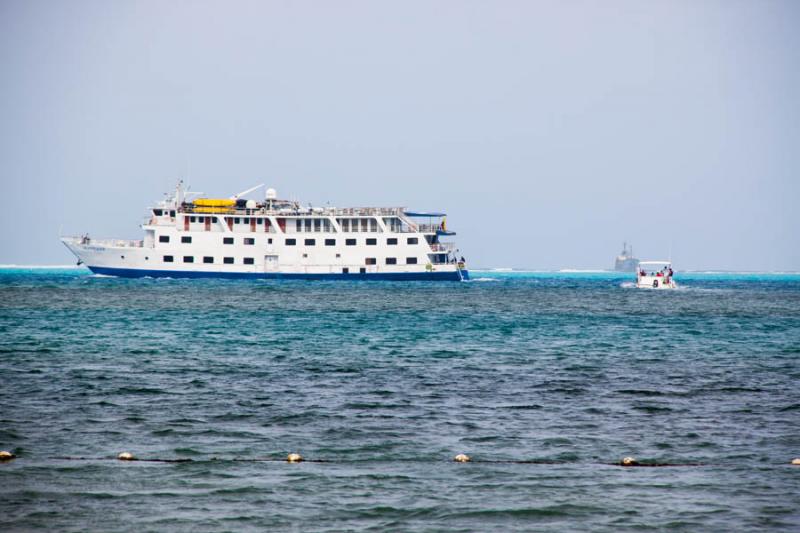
545	379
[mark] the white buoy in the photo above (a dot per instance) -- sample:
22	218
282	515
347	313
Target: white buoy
126	456
462	458
6	456
629	461
294	458
796	461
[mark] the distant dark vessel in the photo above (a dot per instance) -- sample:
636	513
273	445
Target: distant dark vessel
625	261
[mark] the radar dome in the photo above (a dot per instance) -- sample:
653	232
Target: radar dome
251	204
272	194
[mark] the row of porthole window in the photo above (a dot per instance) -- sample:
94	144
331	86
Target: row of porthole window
391	261
186	239
245	221
350	242
317	225
209	260
250	261
237	220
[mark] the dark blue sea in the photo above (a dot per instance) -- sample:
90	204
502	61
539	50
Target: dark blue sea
547	380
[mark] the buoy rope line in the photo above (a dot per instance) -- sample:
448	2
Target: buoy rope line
626	462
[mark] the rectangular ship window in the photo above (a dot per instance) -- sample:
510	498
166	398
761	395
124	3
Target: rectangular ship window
363	270
227	260
310	242
391	260
168	259
372	242
317	225
258	221
391	241
192	219
345	270
208	260
186	240
269	241
227	240
298	225
411	260
249	240
350	242
290	242
163	238
188	259
248	261
236	220
330	242
370	261
413	240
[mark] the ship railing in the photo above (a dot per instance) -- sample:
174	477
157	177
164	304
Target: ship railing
158	221
112	243
428	228
419	228
321	211
443	247
201	210
367	211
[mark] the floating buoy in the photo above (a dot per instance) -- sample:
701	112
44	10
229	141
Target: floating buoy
126	456
629	461
294	458
6	456
796	461
462	458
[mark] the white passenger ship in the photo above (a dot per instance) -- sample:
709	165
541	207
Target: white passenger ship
238	238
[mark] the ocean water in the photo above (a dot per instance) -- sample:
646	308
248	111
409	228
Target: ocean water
545	379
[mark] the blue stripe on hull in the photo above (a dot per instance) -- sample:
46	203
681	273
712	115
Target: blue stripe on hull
394	276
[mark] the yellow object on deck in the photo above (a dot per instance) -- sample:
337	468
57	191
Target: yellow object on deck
213	210
214	202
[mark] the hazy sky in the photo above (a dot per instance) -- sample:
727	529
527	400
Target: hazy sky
548	131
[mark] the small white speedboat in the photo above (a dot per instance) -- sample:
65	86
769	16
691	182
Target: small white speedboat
655	275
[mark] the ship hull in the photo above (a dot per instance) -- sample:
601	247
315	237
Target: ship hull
654	283
626	265
452	275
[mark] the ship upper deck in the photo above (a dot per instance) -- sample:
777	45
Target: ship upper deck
292	210
231	210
